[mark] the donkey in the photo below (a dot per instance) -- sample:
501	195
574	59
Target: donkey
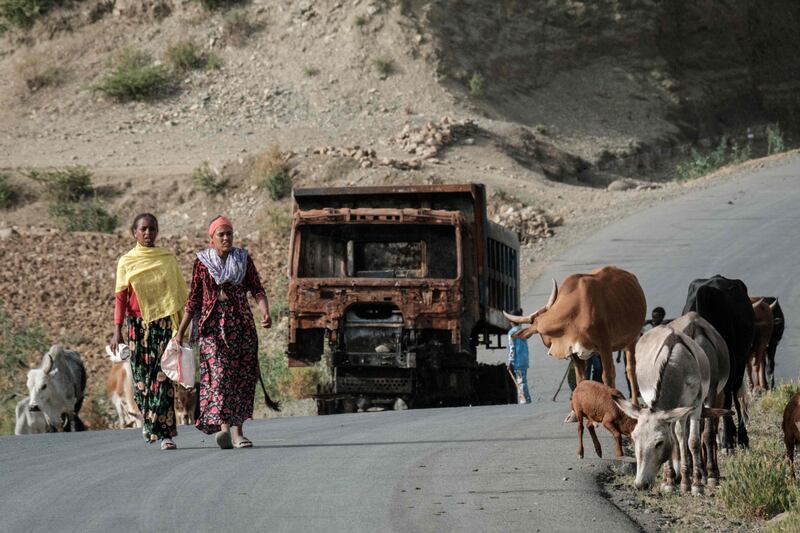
675	376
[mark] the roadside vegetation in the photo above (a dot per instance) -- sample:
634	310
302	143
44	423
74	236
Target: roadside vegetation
23	13
8	193
187	55
38	72
727	153
756	484
237	27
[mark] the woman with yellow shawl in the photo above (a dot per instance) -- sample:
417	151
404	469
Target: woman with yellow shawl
151	291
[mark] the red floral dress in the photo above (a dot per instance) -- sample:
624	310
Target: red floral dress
228	346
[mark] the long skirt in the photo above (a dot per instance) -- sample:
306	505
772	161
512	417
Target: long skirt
228	368
152	389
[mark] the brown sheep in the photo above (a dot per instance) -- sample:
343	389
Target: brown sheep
595	401
791	427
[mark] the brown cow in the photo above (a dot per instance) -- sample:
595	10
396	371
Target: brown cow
598	312
757	361
595	402
119	388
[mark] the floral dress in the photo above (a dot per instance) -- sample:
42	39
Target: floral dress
152	389
228	345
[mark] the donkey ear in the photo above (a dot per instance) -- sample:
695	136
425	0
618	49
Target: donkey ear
628	408
675	414
714	412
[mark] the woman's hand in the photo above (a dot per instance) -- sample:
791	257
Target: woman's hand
178	339
116	337
266	321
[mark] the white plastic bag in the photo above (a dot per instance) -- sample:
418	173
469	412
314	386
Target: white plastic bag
177	362
123	353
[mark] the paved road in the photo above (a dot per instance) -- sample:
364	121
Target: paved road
504	468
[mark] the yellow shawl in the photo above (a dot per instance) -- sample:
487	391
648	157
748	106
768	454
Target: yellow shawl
156	278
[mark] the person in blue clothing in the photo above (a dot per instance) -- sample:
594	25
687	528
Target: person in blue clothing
518	362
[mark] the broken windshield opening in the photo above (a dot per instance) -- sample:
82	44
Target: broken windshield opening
377	251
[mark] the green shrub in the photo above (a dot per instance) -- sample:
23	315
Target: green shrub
84	216
23	13
311	71
186	55
791	524
271	172
383	66
8	194
775	144
701	164
360	20
757	482
134	76
207	180
69	184
476	85
540	128
237	26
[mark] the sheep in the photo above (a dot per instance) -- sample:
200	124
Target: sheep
791	427
595	401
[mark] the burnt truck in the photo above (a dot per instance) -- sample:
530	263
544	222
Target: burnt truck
394	288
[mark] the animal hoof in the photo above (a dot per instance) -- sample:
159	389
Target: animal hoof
684	488
667	489
712	482
697	490
571	417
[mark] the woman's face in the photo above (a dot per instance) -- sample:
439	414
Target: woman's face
223	239
145	232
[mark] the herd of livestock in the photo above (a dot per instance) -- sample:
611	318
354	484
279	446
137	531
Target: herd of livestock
683	375
688	372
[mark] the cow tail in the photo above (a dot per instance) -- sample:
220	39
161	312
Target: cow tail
744	400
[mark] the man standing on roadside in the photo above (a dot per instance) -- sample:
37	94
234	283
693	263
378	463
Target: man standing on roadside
518	361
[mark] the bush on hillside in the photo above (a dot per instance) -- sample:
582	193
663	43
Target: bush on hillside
8	194
477	85
187	55
37	72
383	65
134	76
69	184
84	216
775	144
207	180
271	172
237	27
23	13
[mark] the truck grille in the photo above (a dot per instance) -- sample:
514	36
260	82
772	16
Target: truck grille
368	384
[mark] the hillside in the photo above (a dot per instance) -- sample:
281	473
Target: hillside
545	102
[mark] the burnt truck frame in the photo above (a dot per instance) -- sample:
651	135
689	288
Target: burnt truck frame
402	284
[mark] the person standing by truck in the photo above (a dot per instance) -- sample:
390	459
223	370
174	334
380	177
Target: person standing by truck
518	362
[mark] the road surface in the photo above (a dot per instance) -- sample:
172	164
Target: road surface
487	469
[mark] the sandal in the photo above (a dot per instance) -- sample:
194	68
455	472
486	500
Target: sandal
167	444
243	442
223	439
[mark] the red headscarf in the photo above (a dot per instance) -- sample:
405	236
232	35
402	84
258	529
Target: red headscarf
217	222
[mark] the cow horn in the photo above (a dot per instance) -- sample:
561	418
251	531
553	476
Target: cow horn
553	295
518	319
758	302
774	304
47	363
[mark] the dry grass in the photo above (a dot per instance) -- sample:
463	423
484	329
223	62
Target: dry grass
237	27
37	71
271	171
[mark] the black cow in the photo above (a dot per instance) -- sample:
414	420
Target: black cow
725	304
777	335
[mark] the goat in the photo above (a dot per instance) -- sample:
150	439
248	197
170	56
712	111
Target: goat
595	401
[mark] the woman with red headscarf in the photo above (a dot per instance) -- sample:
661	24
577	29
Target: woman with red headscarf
221	278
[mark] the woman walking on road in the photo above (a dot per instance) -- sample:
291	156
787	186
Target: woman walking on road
221	279
151	292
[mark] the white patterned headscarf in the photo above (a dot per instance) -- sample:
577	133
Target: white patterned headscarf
232	270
